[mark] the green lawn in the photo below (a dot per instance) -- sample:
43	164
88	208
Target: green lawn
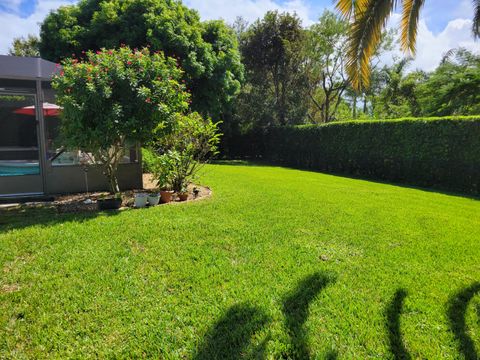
279	263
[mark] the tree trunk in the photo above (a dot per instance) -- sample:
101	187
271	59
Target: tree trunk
111	172
354	106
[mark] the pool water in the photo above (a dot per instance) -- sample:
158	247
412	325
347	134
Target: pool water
19	169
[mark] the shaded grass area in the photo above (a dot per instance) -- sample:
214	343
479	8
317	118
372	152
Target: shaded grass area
279	263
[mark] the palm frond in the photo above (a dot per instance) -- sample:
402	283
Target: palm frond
409	24
365	34
346	7
448	55
476	18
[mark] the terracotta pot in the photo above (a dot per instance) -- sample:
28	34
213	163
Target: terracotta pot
183	196
166	196
109	204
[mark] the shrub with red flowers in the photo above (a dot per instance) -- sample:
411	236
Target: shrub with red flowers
116	98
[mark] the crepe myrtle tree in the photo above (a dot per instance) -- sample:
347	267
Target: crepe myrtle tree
115	98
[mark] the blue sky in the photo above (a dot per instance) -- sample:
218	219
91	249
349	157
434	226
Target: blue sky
445	23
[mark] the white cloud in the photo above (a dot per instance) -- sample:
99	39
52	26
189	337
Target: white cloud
248	9
431	47
13	25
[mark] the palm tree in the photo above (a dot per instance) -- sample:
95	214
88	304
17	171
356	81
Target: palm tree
368	19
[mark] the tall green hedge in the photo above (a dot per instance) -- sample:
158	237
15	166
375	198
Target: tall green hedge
432	152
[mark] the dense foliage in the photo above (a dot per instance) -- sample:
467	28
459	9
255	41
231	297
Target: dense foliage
207	52
116	98
437	152
294	75
272	53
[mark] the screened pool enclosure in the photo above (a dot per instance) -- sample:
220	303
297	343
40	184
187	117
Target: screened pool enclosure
32	158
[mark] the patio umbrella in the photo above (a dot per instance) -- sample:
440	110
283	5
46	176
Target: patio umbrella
48	110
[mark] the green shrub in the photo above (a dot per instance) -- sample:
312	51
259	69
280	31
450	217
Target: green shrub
432	152
179	156
148	160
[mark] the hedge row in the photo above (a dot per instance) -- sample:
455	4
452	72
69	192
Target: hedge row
431	152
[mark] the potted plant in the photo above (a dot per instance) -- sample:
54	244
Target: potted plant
163	172
183	193
140	200
166	196
110	202
153	199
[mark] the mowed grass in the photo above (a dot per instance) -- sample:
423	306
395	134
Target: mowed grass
278	264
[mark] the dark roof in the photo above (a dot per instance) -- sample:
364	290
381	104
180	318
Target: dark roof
27	68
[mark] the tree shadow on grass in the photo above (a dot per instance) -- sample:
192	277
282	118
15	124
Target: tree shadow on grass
393	313
296	310
457	310
22	217
230	337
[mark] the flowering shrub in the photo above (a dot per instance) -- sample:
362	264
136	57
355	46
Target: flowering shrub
113	98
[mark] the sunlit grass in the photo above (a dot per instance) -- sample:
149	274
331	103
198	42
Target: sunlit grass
279	263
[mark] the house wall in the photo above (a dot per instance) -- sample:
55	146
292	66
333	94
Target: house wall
71	179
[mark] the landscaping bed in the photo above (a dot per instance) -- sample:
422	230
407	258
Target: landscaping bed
77	202
83	202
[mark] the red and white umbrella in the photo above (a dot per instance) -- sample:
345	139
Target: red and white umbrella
48	110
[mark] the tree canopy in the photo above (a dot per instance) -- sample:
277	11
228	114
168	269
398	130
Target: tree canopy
207	51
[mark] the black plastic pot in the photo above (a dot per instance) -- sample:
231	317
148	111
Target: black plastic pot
109	204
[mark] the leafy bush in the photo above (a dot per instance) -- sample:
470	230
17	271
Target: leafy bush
113	98
432	152
148	160
182	153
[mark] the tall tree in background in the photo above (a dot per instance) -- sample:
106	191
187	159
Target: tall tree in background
325	49
207	51
369	18
28	46
452	89
276	86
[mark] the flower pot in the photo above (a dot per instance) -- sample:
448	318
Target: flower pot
153	199
183	196
109	204
140	200
166	196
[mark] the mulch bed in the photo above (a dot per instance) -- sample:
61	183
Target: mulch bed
76	202
73	203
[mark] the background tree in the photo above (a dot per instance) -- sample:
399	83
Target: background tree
208	51
325	49
28	46
115	98
239	27
452	89
272	54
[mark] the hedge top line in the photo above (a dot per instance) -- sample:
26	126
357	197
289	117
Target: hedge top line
472	118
